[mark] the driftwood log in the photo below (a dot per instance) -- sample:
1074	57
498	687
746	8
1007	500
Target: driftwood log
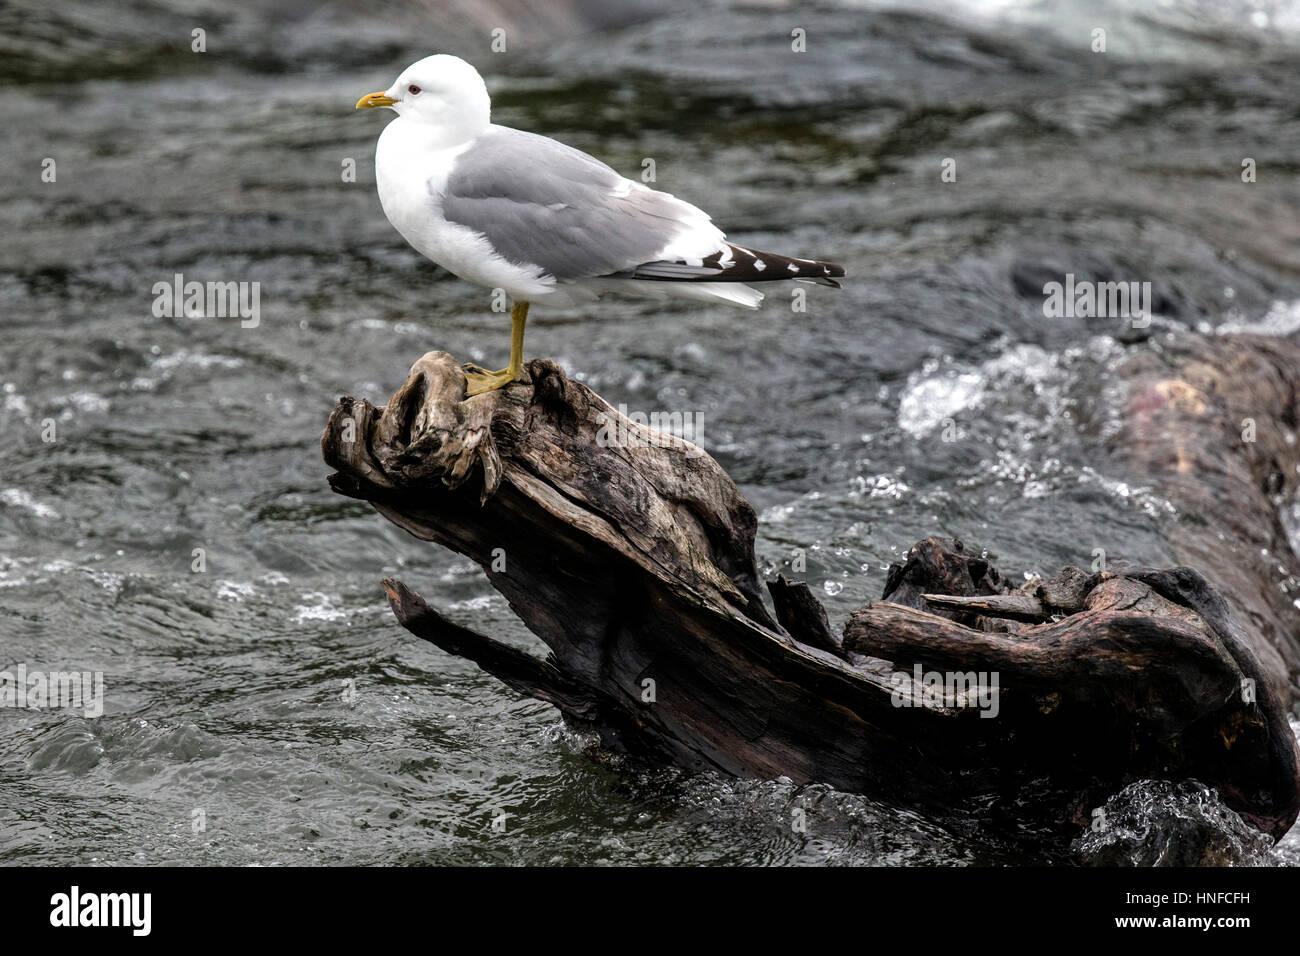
633	560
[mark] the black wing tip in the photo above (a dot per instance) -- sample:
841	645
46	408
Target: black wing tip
806	268
830	272
749	265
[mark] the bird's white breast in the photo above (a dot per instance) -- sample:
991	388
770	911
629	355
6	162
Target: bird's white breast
412	177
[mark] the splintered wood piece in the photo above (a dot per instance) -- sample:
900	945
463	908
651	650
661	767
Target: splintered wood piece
1018	607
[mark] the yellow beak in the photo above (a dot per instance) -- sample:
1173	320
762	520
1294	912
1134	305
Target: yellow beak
371	100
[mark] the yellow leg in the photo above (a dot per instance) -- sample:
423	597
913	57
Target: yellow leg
481	381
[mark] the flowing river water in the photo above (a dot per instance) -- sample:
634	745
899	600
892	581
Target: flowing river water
266	708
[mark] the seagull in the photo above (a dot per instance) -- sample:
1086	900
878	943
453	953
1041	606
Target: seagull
544	222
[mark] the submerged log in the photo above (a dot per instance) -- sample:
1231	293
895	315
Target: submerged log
633	560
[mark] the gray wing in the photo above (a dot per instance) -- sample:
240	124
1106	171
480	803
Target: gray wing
541	203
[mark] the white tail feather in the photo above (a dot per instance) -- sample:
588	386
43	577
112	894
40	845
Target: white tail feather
733	293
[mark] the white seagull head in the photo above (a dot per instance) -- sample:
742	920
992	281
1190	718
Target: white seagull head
441	92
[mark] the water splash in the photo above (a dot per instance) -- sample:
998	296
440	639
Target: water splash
1282	318
1159	823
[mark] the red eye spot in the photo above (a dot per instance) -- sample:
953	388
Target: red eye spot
413	89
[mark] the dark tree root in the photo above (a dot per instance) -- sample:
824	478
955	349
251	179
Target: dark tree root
633	561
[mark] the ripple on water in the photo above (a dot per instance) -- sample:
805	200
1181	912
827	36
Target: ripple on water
68	745
20	498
